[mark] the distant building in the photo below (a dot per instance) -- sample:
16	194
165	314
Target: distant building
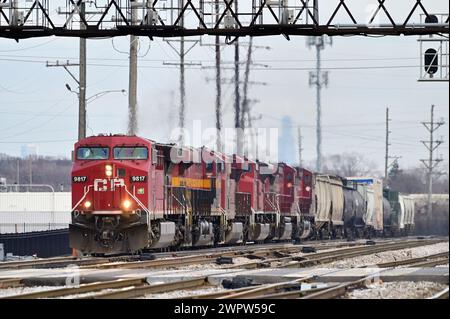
287	145
29	150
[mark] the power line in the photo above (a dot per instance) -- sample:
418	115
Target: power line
170	66
212	61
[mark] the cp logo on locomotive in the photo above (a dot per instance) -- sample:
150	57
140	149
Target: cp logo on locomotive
103	185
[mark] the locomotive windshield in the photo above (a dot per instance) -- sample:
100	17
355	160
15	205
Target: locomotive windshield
93	153
130	153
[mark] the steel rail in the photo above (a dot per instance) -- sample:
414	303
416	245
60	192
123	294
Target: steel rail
360	251
86	288
430	263
340	290
114	261
11	283
140	291
194	259
440	295
24	263
424	260
59	262
333	255
295	294
215	295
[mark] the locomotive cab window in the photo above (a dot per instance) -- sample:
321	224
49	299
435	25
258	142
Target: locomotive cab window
92	153
209	167
289	177
130	153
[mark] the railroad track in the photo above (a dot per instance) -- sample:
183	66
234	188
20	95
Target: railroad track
86	288
61	262
293	289
314	259
441	295
138	287
340	290
260	253
10	283
108	262
425	261
115	261
141	291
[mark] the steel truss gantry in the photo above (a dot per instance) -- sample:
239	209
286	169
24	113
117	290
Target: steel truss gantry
21	19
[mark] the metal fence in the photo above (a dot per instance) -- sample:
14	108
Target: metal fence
42	244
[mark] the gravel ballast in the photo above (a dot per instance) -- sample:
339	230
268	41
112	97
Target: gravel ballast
388	256
398	290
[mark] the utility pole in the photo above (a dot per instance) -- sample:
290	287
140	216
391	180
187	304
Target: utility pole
182	120
30	168
245	112
218	86
18	175
132	84
431	163
319	79
386	157
182	108
182	52
237	94
82	81
182	114
300	147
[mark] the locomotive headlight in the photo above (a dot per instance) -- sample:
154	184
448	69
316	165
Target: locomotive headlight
87	204
108	170
126	204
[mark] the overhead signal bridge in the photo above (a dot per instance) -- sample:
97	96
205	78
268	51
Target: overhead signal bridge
20	19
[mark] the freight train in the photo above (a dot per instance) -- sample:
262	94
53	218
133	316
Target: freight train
130	194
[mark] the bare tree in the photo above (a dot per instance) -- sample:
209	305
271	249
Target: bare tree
348	164
44	170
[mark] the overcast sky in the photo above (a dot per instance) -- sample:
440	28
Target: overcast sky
36	108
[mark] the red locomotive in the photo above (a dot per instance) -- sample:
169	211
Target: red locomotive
130	194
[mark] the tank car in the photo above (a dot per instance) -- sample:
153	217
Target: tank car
354	210
371	190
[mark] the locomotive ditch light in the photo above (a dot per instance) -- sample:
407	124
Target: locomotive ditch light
126	204
87	204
